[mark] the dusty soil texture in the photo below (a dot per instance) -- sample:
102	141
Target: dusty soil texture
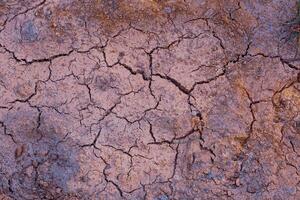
149	99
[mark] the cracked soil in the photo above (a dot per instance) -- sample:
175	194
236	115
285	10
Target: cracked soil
149	99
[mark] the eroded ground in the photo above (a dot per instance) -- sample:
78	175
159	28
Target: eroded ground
141	99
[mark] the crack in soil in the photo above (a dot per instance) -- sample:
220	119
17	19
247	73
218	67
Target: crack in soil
149	100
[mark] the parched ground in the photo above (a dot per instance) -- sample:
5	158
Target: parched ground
149	99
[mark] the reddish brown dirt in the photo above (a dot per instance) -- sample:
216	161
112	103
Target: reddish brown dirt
154	100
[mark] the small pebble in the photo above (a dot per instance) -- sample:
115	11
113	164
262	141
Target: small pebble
29	32
19	151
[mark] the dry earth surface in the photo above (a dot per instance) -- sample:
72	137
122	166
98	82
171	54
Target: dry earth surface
141	99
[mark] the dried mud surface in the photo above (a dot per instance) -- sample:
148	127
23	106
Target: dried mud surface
141	99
